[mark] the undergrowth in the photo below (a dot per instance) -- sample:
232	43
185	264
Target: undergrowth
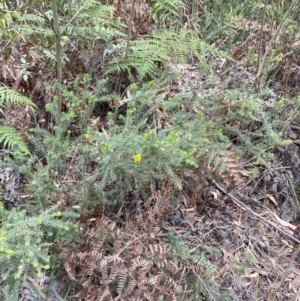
100	186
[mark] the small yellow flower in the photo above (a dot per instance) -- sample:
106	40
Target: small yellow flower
137	158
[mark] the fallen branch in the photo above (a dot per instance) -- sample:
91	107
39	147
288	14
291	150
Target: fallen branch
238	202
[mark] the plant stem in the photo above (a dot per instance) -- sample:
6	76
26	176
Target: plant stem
57	55
127	45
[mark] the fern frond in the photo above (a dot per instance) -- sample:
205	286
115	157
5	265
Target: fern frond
10	96
36	18
108	28
12	139
167	10
159	47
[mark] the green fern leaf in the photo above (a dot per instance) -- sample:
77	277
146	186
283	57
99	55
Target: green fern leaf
10	96
159	47
12	139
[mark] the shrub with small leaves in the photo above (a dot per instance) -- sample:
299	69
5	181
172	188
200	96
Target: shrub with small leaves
139	150
25	242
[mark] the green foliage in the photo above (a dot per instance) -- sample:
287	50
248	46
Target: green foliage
204	272
9	96
248	120
139	151
7	18
145	55
12	139
58	149
36	25
167	12
9	136
154	136
247	259
245	8
25	241
102	24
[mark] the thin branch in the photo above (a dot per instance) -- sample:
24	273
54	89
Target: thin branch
57	54
77	13
127	45
261	34
204	201
240	203
118	87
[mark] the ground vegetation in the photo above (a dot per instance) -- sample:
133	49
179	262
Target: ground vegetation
149	150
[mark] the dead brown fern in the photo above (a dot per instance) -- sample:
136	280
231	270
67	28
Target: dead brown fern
154	209
118	264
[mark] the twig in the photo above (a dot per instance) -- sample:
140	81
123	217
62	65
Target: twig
57	33
204	201
261	35
237	201
37	287
76	14
127	45
295	127
298	294
208	291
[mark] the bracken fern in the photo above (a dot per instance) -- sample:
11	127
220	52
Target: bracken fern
9	96
161	47
12	139
8	135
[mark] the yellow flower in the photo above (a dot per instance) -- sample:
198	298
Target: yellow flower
137	158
